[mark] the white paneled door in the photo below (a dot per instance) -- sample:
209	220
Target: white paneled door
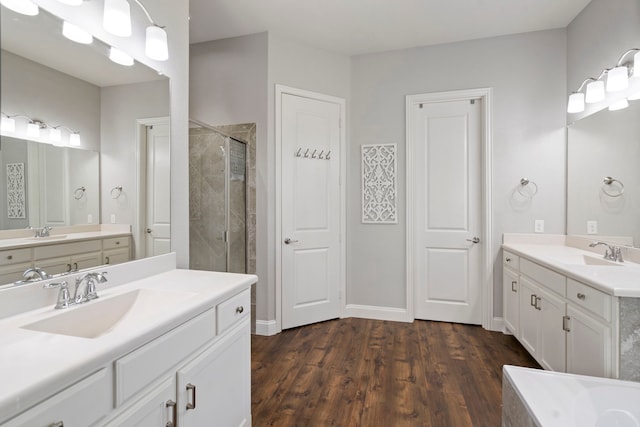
158	205
447	215
310	138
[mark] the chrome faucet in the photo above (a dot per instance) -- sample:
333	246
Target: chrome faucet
35	273
43	232
612	253
86	287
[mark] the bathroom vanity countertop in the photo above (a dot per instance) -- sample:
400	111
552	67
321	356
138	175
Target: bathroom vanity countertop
620	279
560	399
26	242
34	365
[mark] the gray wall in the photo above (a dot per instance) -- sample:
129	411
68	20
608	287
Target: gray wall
526	72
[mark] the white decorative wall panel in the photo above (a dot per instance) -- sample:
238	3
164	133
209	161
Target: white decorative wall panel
16	208
379	189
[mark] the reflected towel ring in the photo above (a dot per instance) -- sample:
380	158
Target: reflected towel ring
79	193
524	182
116	191
609	181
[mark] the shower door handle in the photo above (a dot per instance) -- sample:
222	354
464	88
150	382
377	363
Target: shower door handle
288	241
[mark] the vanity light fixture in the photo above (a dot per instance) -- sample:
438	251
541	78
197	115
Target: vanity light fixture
55	135
576	102
24	7
595	92
117	17
119	57
76	34
619	105
156	46
8	124
617	79
33	128
74	139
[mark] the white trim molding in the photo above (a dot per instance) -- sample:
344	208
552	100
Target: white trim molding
485	95
266	328
377	313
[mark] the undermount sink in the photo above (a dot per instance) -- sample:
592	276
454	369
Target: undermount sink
54	237
589	260
97	317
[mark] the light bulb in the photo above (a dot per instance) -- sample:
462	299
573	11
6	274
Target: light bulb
119	57
576	103
33	130
595	92
71	2
156	44
619	105
55	135
76	34
25	7
117	17
8	125
74	139
617	79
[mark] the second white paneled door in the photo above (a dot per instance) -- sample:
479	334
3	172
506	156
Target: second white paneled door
447	216
310	262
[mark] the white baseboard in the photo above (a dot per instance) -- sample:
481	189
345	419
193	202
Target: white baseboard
377	313
266	327
497	325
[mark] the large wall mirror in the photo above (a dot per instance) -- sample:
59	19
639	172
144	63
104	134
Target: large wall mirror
46	77
603	176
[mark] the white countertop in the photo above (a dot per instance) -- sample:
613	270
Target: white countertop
562	400
33	364
621	280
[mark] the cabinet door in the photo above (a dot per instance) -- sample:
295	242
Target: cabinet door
529	324
588	345
511	300
55	265
155	409
215	388
116	256
13	273
92	259
552	344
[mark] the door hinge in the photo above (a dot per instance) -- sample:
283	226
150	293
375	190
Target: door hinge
565	323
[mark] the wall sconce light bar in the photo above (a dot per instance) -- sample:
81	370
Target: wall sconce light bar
34	128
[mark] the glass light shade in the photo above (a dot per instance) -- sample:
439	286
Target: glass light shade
117	17
576	103
74	140
636	65
595	92
119	57
55	135
33	130
619	105
8	125
25	7
71	2
76	34
156	45
634	96
617	79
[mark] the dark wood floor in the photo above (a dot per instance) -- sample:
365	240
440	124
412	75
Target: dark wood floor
370	373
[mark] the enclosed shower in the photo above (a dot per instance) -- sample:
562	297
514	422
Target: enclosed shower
217	200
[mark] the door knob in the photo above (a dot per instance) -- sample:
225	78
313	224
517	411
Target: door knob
474	240
148	230
288	241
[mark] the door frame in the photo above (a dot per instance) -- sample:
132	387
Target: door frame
487	291
141	182
281	90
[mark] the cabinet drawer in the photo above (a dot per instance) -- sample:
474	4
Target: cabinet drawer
83	404
13	256
66	249
589	298
233	309
139	368
511	260
555	282
115	243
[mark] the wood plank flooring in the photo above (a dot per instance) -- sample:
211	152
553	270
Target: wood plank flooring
370	373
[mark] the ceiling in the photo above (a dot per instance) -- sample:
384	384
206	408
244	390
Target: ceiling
356	27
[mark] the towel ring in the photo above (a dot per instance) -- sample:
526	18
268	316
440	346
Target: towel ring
524	182
116	191
79	193
609	181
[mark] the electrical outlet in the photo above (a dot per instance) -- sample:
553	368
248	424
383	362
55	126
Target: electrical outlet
113	218
539	226
592	227
89	219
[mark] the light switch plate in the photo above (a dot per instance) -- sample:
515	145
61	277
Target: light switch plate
113	218
592	227
539	226
89	219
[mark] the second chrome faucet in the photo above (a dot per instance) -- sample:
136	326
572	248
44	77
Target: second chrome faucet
612	253
85	289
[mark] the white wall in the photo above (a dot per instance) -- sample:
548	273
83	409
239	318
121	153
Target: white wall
174	15
527	74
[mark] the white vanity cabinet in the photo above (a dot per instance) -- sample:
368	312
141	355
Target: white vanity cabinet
13	262
564	324
116	250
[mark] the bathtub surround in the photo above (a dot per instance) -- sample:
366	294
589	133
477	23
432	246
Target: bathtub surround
630	339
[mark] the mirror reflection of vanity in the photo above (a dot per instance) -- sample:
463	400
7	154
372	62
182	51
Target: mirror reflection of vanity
603	176
50	79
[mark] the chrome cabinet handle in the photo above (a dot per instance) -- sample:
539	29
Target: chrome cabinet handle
532	301
172	407
565	323
513	286
581	296
538	299
239	309
289	241
10	257
193	388
474	240
57	424
508	259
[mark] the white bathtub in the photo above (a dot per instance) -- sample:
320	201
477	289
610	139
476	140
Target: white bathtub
558	399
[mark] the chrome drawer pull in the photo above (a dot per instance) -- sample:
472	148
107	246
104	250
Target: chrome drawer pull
513	286
532	301
508	259
172	405
191	405
538	299
239	309
581	296
57	424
